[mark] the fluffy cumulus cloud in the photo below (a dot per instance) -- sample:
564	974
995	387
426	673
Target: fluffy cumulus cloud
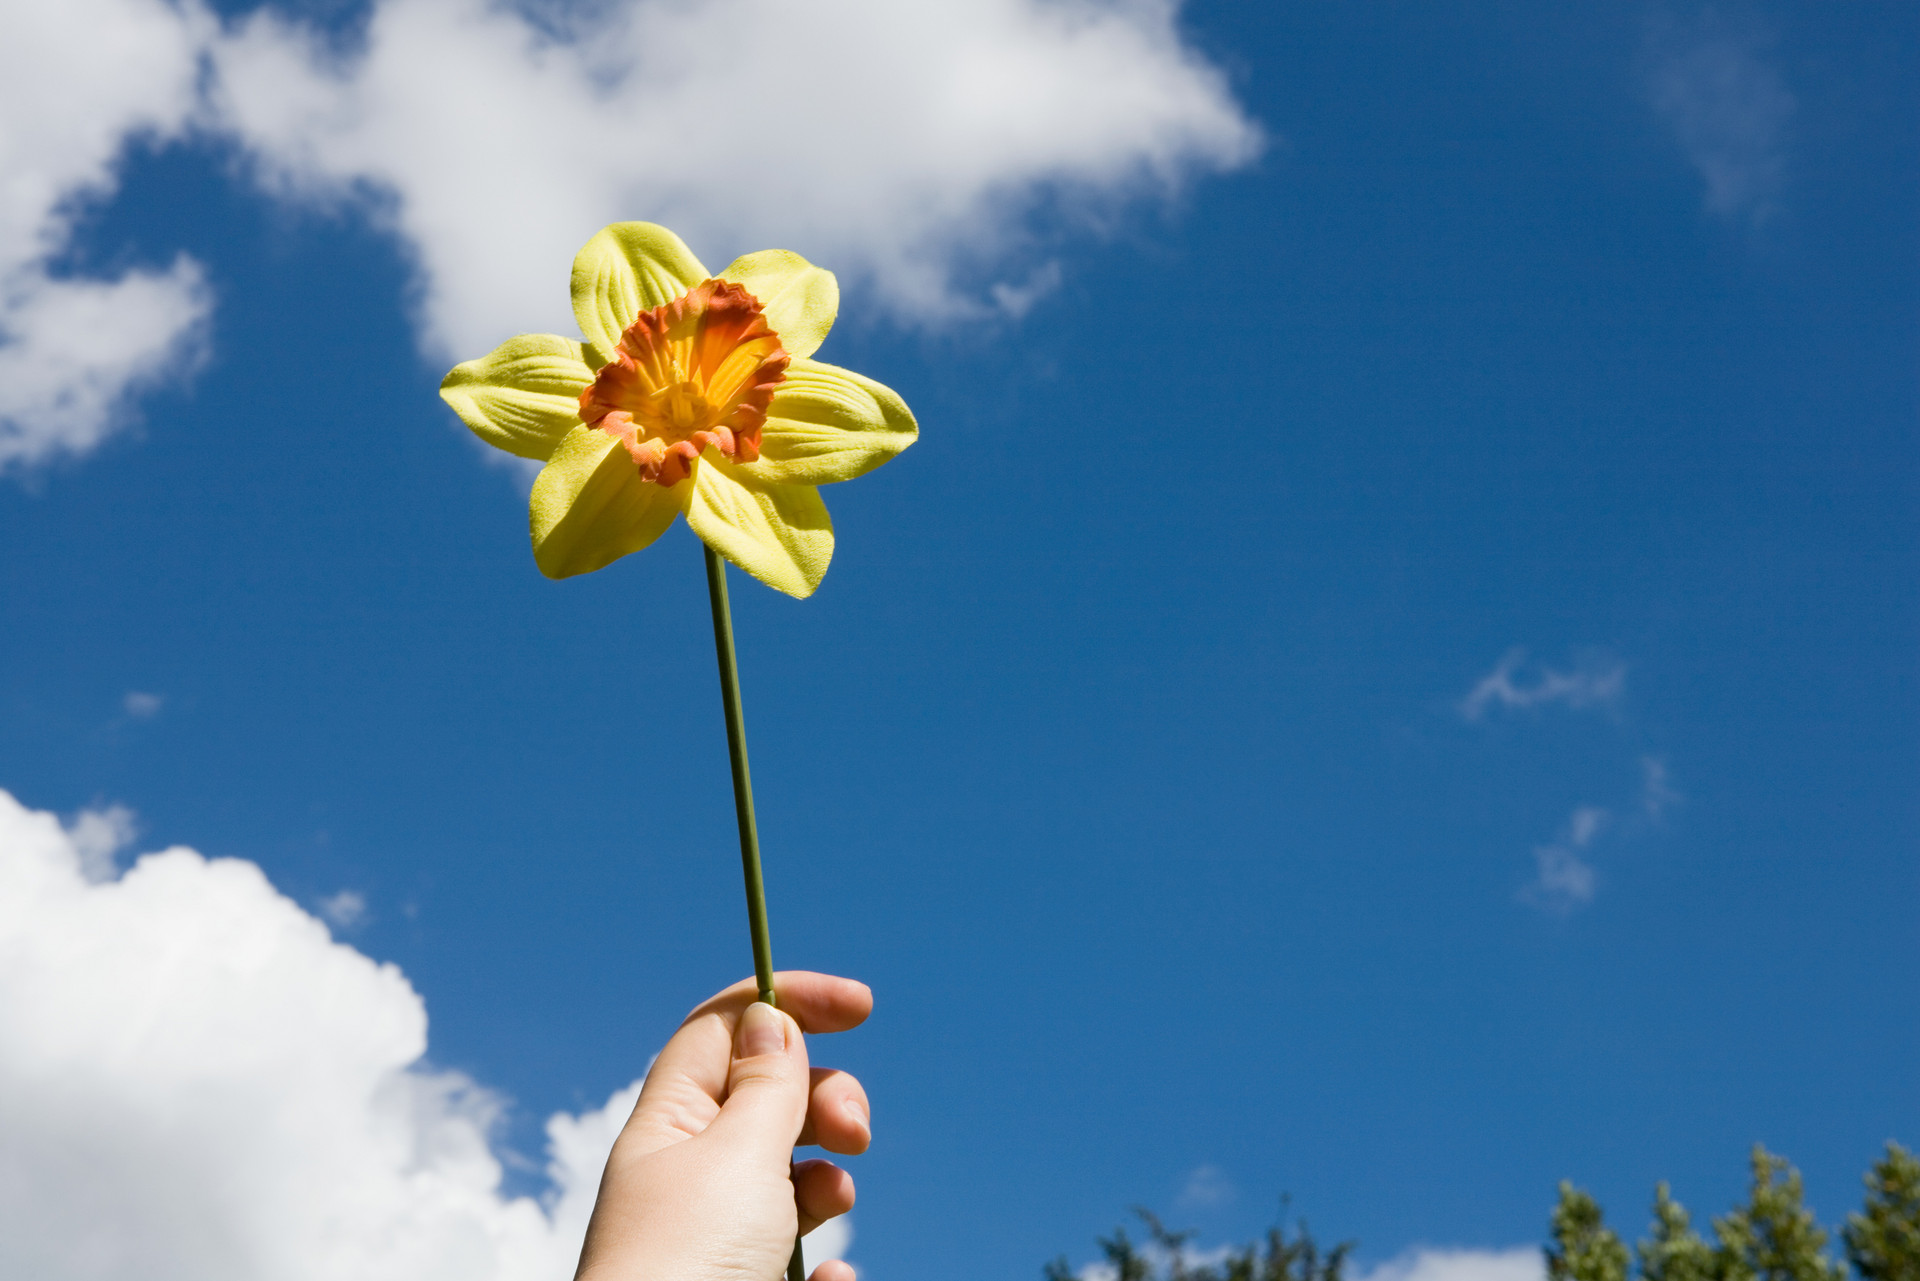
75	346
910	146
898	142
197	1083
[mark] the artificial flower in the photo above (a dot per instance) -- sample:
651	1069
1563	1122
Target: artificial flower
692	395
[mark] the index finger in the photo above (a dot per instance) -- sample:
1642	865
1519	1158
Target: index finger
817	1002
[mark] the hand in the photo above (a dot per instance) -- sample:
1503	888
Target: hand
701	1185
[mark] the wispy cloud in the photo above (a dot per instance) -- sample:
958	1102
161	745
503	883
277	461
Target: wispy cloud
1712	82
142	706
1018	300
1591	682
1657	794
1207	1186
1563	879
344	910
98	835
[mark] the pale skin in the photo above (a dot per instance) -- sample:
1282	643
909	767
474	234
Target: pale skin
702	1185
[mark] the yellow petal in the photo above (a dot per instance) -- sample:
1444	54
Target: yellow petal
590	507
781	534
522	396
829	424
799	299
628	268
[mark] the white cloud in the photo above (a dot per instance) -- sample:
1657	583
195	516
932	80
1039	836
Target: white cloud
828	1241
1657	794
1422	1263
1161	1260
904	145
1563	880
1585	824
198	1084
1018	300
141	706
908	146
1727	106
98	836
1592	682
1206	1186
75	348
1516	1263
344	910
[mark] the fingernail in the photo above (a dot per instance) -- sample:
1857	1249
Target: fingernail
762	1031
858	1115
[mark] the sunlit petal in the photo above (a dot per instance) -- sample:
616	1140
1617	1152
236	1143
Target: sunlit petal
800	300
829	424
523	396
628	268
781	534
590	507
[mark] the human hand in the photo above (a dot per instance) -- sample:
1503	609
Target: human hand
701	1185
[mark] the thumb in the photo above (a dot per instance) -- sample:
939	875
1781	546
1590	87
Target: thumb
767	1086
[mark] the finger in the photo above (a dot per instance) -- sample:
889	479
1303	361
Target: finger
833	1270
821	1191
688	1080
817	1002
767	1088
839	1118
702	1047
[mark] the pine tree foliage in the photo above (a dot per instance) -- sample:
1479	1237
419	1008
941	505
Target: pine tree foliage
1672	1250
1772	1236
1883	1239
1167	1256
1584	1248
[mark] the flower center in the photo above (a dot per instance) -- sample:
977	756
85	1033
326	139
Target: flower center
696	372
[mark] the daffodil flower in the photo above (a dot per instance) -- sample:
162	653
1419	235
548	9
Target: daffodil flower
692	395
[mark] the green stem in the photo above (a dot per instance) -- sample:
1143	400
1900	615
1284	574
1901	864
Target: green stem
743	804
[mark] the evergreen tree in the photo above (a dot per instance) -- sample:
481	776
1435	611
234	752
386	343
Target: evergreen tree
1165	1257
1773	1237
1673	1251
1883	1239
1584	1248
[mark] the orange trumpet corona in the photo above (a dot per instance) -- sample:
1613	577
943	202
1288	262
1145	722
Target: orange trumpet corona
694	372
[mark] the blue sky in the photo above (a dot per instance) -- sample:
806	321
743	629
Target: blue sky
1389	675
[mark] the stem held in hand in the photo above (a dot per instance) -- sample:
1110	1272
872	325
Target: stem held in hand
743	804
